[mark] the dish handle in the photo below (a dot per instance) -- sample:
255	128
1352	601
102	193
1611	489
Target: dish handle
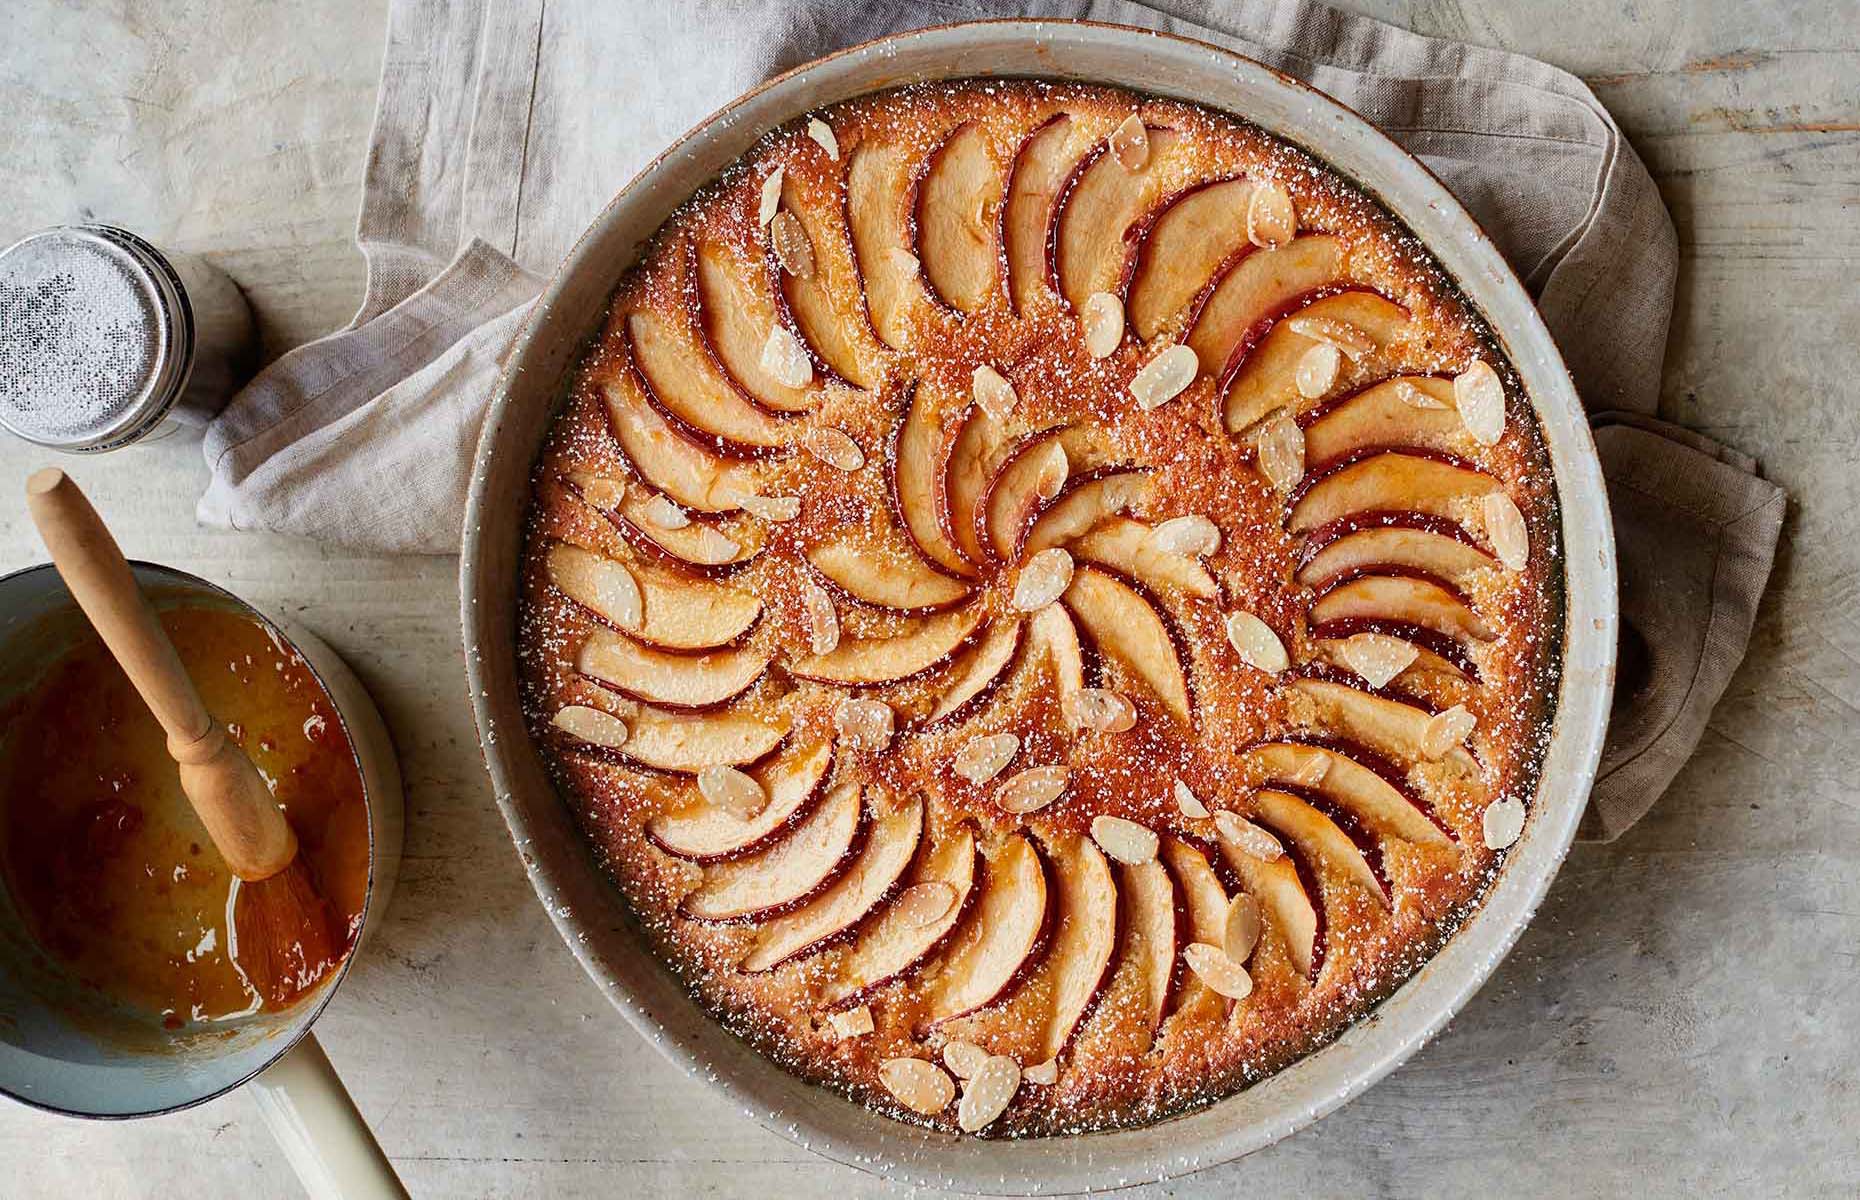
321	1131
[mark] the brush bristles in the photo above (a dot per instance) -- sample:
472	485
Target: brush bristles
284	934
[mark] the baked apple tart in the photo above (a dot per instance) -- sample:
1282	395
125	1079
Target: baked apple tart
1044	601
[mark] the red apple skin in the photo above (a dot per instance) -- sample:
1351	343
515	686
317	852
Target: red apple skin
1313	478
1368	759
1366	843
1431	640
1385	518
1259	329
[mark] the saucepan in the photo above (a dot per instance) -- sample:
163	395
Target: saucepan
589	911
66	1050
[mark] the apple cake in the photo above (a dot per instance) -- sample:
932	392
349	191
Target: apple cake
1044	601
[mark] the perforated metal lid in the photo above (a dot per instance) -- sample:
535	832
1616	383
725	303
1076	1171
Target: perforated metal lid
88	340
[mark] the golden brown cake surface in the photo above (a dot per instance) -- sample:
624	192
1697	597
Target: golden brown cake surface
1044	602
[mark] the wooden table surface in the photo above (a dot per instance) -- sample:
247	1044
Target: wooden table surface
1681	1019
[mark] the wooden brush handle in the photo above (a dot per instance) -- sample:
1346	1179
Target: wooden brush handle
221	782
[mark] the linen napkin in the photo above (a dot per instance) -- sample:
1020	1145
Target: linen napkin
503	126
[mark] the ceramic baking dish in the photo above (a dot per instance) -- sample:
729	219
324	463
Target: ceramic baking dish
589	911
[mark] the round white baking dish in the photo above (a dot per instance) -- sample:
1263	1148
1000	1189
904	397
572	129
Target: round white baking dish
588	910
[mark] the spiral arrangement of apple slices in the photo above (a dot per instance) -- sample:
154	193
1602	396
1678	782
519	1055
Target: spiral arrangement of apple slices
1021	547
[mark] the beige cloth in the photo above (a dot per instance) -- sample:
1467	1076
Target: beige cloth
504	125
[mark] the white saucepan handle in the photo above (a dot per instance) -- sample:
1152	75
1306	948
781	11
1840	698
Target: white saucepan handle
323	1134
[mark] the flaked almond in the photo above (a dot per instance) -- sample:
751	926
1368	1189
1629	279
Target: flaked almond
1270	218
1052	471
1311	772
1240	928
1221	973
993	393
770	202
1503	822
1281	446
864	723
1187	803
615	593
1417	397
822	133
1193	535
964	1059
664	512
590	725
1377	657
1329	331
918	1084
601	492
1125	841
988	1093
1504	527
823	621
1103	319
904	262
1100	710
852	1023
1164	377
710	548
1480	397
1256	644
785	359
1044	1074
1033	789
983	758
1445	730
734	791
924	903
1130	144
1247	837
794	250
770	508
1043	579
833	447
1318	368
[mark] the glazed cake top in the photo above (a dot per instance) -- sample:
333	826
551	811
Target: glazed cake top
1042	599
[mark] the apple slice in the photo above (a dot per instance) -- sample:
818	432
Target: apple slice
889	848
1124	546
704	833
978	671
665	677
888	579
1079	963
974	455
898	939
956	201
1096	209
1186	239
674	614
995	945
1378	416
1323	837
916	459
1152	935
1436	653
1057	638
836	336
1410	598
1257	285
1382	801
1261	374
878	188
628	509
1205	904
735	318
1414	541
790	871
862	662
689	742
1087	499
665	458
1125	624
1387	726
1288	895
1012	497
1041	167
1421	481
683	382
